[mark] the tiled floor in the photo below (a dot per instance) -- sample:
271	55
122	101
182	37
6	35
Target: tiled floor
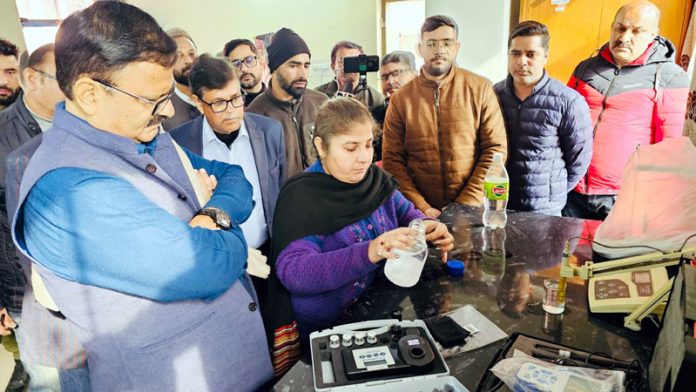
6	367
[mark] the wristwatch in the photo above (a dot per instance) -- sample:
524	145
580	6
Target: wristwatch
220	217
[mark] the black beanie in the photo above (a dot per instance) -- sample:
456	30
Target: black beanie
284	45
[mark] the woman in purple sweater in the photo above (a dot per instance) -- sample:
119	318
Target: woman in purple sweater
336	221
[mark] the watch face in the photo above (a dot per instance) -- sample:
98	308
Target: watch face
220	217
223	220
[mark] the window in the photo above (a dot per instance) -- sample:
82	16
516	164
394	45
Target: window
40	18
402	21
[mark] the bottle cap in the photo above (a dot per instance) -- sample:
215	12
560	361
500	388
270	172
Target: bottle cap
455	268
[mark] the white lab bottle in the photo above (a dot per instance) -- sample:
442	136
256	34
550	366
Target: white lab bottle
406	270
496	188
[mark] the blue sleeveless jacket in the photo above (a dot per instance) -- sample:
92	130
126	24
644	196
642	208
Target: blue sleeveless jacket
135	343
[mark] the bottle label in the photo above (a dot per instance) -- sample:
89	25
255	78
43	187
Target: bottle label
496	190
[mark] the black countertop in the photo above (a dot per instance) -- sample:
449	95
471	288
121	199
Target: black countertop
506	289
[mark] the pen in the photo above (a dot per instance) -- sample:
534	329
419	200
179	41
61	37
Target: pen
555	353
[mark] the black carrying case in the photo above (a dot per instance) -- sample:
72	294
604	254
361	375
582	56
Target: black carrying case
635	380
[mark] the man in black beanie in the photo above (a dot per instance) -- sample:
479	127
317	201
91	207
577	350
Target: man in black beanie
287	99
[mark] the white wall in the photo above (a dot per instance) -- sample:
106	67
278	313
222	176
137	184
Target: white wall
321	24
483	30
10	28
483	26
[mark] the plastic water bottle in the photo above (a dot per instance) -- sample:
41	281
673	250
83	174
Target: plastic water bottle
406	270
496	192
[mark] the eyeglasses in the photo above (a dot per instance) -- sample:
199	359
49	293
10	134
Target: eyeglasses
221	105
434	44
48	75
250	62
158	105
393	74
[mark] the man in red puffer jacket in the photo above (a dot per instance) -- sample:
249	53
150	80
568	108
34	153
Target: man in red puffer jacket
637	96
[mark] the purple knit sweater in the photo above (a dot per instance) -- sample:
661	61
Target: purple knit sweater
325	274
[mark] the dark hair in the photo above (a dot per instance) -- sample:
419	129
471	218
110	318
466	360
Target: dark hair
336	116
7	48
400	57
104	38
232	45
344	45
434	22
210	73
530	28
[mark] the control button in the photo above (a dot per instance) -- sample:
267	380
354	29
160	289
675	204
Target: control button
396	331
181	197
151	168
347	340
334	341
362	357
371	337
253	306
360	338
369	355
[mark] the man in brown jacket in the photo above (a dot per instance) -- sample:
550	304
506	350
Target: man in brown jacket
442	128
288	101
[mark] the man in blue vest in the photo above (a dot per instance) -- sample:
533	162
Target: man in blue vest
136	240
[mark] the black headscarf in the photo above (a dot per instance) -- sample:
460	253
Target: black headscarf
313	203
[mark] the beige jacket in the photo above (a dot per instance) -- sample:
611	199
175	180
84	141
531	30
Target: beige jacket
439	138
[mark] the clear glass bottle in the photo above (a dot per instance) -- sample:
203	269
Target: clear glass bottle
406	270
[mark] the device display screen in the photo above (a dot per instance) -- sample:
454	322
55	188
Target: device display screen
376	363
641	277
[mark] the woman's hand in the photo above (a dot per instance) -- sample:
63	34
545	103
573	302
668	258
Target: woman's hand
432	213
437	234
383	246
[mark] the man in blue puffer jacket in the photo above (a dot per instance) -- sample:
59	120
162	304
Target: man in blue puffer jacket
548	126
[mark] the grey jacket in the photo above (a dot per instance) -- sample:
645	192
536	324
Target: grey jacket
17	126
